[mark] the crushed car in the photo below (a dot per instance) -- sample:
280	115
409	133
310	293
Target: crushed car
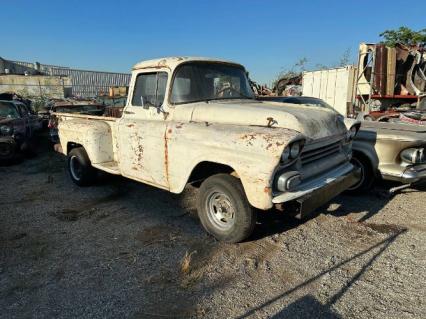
196	121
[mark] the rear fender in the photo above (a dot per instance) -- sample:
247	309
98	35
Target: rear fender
94	136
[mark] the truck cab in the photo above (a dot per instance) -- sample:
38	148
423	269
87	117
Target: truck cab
195	120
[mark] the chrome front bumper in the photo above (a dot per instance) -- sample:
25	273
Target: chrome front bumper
405	175
310	195
414	174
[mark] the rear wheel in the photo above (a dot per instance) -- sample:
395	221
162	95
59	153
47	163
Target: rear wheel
7	151
224	210
366	171
79	167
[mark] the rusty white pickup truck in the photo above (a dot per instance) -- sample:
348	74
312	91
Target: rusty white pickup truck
195	120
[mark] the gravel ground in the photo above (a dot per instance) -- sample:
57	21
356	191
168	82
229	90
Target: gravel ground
126	250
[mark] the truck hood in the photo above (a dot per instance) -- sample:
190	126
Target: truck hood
312	121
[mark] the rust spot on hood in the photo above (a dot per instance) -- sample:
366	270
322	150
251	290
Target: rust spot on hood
249	138
267	190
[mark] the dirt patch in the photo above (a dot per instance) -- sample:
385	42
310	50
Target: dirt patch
158	234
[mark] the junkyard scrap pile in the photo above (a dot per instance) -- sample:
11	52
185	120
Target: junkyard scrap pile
391	82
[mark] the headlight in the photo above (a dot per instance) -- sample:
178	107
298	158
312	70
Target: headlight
292	151
6	130
413	155
286	154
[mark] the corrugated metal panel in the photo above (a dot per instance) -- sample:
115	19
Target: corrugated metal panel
85	83
89	83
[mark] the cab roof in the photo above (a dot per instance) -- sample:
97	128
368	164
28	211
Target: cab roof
173	62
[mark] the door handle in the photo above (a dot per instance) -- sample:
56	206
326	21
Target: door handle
129	112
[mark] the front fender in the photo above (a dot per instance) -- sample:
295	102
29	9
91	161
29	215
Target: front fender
252	151
367	148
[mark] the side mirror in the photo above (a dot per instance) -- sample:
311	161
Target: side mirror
159	108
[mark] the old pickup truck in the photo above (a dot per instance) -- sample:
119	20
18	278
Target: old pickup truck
195	120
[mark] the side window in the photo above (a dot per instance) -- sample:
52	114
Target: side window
150	89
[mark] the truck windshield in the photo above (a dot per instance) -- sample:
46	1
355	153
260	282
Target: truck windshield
8	110
206	81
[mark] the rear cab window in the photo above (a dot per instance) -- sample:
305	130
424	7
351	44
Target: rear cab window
150	89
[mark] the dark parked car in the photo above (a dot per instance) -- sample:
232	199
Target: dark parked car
15	129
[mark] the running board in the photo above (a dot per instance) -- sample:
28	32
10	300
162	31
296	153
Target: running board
109	167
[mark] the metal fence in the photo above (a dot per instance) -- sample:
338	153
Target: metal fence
84	83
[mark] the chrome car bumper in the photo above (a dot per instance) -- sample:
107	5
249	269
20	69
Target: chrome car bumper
311	194
414	174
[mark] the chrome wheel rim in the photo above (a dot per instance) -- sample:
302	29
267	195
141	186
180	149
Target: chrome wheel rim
357	163
220	211
75	168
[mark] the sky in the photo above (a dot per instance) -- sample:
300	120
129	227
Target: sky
268	37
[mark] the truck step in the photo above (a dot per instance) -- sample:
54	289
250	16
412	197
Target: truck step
109	167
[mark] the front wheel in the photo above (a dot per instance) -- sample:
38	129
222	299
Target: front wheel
79	167
7	151
224	210
367	174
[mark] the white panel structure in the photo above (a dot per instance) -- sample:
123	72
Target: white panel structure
335	86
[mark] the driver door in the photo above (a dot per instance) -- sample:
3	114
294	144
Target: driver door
142	147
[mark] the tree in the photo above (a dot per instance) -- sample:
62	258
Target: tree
405	36
297	68
345	58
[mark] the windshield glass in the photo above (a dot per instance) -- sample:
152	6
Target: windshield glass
204	81
8	110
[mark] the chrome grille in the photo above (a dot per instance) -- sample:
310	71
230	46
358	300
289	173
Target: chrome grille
312	153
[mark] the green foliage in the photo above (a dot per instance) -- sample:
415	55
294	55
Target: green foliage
40	102
403	35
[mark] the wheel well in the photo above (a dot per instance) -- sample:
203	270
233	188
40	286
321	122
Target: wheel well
367	159
204	170
71	145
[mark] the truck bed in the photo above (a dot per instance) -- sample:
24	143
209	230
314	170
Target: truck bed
86	116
